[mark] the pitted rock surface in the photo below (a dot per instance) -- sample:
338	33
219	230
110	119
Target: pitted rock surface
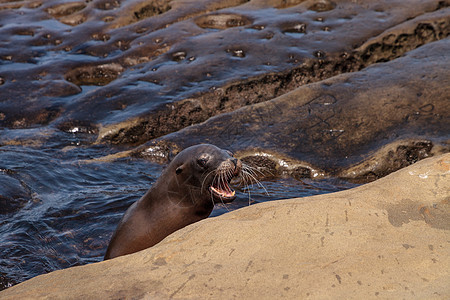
131	71
400	108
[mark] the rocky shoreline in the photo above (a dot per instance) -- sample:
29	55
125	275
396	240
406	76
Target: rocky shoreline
385	239
298	89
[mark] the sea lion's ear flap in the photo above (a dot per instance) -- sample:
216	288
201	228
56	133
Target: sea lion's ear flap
170	156
179	170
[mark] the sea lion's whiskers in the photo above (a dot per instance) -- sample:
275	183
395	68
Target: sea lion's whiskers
192	196
248	187
225	183
257	182
212	199
246	180
254	170
221	181
216	173
224	205
249	176
203	182
251	171
230	173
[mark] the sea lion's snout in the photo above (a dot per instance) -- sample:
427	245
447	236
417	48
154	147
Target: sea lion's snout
237	166
220	187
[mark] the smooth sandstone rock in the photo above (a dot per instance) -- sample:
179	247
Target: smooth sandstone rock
386	239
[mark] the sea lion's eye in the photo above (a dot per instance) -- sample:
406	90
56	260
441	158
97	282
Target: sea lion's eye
179	170
202	162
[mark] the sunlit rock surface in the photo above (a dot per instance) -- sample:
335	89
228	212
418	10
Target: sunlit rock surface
385	239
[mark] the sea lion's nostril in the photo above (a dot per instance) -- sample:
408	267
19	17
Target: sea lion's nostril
234	160
237	166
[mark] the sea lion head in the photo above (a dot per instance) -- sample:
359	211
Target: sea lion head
208	170
196	179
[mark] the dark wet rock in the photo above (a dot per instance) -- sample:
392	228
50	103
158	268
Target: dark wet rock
296	27
152	9
94	75
65	9
362	125
285	3
265	87
406	37
322	5
302	172
263	167
150	56
393	157
107	4
5	282
222	21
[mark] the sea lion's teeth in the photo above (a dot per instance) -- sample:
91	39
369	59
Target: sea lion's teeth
223	193
216	190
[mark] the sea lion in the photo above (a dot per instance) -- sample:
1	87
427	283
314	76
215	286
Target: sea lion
196	179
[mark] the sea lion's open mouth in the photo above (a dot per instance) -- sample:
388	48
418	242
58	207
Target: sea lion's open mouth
221	190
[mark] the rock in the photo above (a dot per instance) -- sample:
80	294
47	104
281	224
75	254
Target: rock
134	71
386	239
361	125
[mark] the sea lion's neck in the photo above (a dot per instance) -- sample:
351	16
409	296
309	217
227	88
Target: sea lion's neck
182	200
164	214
